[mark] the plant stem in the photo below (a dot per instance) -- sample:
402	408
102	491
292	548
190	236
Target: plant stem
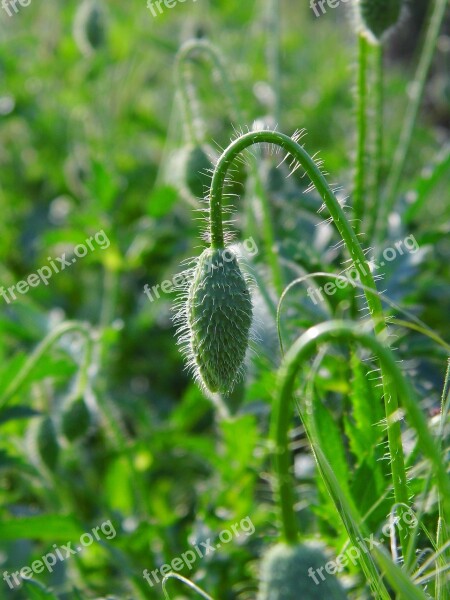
298	355
378	125
412	111
189	97
38	353
273	54
195	130
360	169
349	237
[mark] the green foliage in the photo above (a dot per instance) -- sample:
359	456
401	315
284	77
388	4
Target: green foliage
88	123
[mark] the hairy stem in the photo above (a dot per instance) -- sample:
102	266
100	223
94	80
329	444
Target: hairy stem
357	255
412	111
378	128
188	92
298	355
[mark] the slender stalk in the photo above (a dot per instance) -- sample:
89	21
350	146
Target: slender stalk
378	128
273	54
361	116
412	111
349	237
187	582
195	130
38	353
187	89
298	355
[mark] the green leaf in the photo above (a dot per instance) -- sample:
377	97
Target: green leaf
363	430
43	527
17	412
330	437
162	201
398	579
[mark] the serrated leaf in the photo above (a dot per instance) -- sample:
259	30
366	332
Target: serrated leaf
362	429
331	442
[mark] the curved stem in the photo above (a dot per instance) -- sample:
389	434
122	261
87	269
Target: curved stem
38	353
360	170
190	101
299	353
412	111
340	220
186	581
194	121
348	236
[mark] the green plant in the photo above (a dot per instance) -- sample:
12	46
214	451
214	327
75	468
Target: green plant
215	319
378	16
76	418
285	574
47	443
297	356
89	27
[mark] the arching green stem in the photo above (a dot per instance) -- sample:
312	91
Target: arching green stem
187	582
298	355
196	129
38	353
348	236
184	79
340	220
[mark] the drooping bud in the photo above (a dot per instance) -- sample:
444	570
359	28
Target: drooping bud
293	572
76	418
378	16
47	443
90	26
217	318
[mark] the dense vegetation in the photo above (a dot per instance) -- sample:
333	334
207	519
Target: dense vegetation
114	458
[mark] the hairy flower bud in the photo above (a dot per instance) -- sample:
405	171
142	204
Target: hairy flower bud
290	573
379	15
216	319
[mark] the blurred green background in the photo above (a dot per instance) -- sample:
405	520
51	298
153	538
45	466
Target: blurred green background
89	141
